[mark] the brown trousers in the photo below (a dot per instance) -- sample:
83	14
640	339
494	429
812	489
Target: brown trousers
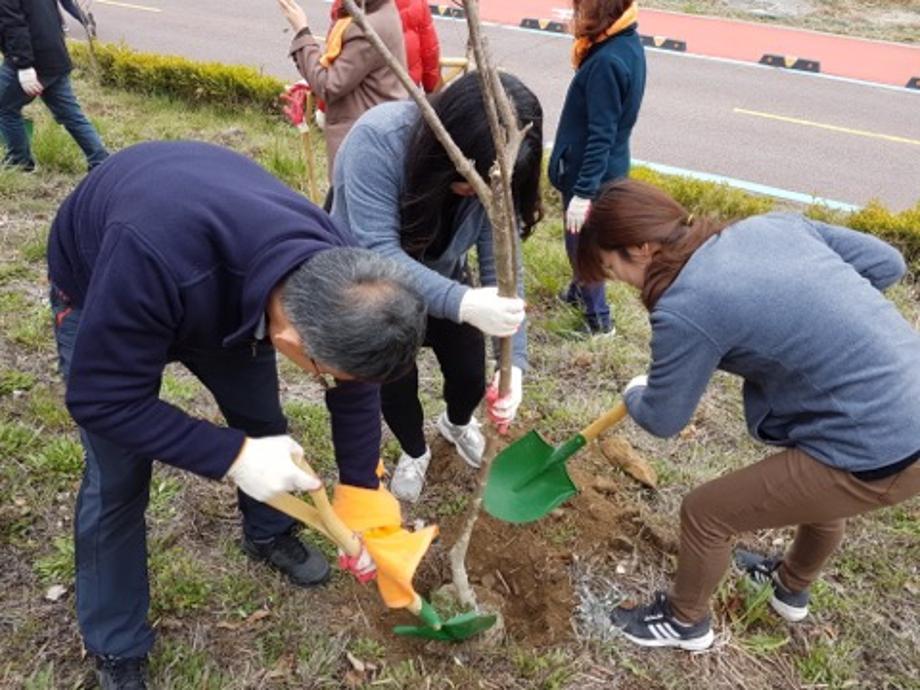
788	488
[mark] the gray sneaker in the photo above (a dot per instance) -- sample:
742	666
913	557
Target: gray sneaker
793	606
409	477
467	439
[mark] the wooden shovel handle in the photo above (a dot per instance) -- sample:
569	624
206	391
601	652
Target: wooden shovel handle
604	422
333	526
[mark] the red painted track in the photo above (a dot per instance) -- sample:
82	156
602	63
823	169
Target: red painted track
875	61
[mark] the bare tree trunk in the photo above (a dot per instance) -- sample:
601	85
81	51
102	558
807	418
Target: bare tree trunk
496	197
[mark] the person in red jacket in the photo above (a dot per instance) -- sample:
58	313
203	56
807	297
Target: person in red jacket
423	53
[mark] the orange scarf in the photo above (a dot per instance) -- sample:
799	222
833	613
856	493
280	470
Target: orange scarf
334	41
582	45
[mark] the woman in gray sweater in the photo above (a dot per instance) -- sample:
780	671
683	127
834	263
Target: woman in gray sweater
831	375
397	190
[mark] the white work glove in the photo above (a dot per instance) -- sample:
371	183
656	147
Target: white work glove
28	80
491	314
576	214
503	410
265	468
636	382
320	119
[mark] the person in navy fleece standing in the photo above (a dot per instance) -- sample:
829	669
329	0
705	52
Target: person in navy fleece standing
592	140
795	308
188	252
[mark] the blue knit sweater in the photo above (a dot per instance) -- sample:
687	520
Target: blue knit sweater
794	307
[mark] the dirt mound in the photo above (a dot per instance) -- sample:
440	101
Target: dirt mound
528	567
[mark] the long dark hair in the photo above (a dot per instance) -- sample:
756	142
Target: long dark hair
628	213
427	203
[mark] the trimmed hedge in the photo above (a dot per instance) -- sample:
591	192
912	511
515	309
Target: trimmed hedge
169	75
234	85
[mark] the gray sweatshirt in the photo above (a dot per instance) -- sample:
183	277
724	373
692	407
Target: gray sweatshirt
368	181
794	307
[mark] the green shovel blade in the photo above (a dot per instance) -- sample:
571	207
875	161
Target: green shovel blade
529	479
455	629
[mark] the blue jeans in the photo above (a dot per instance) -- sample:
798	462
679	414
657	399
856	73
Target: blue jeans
110	532
592	296
59	97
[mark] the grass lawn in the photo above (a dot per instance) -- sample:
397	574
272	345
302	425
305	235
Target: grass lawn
224	622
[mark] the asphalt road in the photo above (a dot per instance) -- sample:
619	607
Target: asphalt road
836	139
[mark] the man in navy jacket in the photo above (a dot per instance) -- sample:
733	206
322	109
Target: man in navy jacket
183	251
36	63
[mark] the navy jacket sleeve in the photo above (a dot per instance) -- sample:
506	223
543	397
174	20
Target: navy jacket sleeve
604	98
875	260
14	35
355	411
684	358
128	323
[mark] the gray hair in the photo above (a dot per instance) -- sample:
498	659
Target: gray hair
356	313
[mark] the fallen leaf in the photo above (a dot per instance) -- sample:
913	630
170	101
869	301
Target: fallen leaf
55	592
256	616
620	452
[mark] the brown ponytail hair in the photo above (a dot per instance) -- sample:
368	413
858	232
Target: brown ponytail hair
628	213
591	18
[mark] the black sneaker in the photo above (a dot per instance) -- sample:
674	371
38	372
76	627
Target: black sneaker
302	563
793	606
655	626
121	674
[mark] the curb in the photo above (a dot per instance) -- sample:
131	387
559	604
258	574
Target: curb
556	27
790	62
550	25
663	43
448	11
913	83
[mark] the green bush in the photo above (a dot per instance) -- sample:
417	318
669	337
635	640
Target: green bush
170	75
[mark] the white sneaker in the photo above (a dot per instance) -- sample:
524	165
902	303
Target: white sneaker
409	476
467	439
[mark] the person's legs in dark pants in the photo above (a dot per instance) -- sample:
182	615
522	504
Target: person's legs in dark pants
461	353
593	296
245	386
58	95
244	383
460	350
12	126
112	592
403	414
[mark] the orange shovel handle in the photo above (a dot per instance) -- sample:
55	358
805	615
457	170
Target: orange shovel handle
604	422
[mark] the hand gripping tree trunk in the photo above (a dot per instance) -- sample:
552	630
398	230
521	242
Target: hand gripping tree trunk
496	197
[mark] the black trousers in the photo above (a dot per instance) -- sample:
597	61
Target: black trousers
461	354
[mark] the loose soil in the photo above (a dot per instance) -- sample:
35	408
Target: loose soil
526	570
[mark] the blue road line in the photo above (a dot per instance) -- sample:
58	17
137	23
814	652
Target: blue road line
753	187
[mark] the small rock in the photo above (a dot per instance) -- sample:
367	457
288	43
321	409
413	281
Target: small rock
557	513
621	569
55	592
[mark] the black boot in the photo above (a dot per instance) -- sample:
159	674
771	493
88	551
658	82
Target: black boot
121	674
302	563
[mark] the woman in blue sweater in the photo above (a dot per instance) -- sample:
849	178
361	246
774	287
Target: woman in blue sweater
831	375
397	190
592	141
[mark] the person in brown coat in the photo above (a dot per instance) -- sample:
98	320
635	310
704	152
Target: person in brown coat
348	74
